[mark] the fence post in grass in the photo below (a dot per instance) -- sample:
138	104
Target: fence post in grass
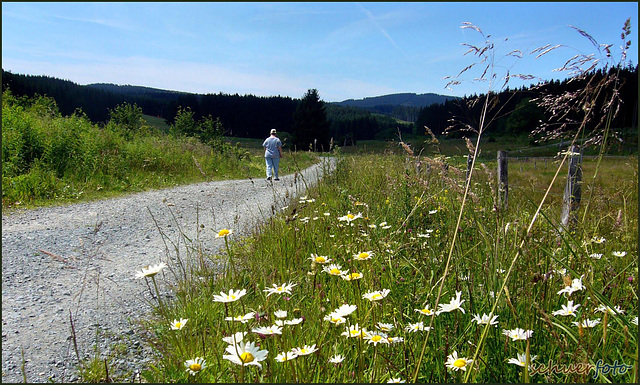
572	189
503	182
469	163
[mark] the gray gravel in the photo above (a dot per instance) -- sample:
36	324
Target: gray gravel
79	262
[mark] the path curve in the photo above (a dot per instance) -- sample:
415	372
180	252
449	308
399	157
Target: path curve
77	264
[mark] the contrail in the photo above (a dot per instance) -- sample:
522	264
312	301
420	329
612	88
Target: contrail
384	32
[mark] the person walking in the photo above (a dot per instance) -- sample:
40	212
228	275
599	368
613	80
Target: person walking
272	154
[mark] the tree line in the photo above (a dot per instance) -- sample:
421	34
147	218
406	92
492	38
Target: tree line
518	113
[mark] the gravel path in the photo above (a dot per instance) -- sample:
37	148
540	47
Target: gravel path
78	263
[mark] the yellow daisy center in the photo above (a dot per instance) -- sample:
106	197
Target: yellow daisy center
355	332
354	275
246	357
223	232
334	271
460	363
178	325
321	259
303	351
376	338
232	296
195	367
350	216
363	255
335	319
377	296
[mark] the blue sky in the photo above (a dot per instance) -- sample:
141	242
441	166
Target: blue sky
344	50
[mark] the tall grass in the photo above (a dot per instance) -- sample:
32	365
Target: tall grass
421	206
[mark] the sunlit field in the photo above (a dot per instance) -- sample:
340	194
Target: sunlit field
367	279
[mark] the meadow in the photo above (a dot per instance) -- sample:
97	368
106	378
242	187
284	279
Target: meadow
387	272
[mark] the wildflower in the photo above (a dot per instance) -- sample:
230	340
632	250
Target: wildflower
454	304
619	253
376	295
384	225
195	366
635	321
418	326
235	339
567	309
268	330
432	211
362	256
587	323
241	318
335	318
351	277
345	309
178	325
500	271
224	233
350	217
280	313
603	308
376	338
485	319
321	259
576	285
305	350
286	356
395	340
595	256
521	360
598	240
353	331
517	334
455	363
338	358
426	311
424	235
294	321
284	288
247	354
396	380
334	269
385	327
150	271
231	297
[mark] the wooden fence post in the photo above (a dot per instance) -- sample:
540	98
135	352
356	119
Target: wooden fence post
572	189
503	180
469	163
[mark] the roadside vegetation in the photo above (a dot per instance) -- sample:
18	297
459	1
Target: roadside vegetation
49	159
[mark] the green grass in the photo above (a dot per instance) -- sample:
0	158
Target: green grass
49	159
407	223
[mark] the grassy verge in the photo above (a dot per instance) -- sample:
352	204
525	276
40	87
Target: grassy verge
50	159
345	283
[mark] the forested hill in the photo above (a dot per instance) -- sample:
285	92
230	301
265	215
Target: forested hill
403	106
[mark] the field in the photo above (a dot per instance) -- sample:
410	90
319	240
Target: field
387	271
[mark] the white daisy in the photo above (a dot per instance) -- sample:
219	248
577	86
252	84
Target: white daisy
587	323
376	295
485	319
454	304
517	334
284	288
245	354
521	360
195	366
235	339
178	325
241	318
231	297
455	363
150	271
568	309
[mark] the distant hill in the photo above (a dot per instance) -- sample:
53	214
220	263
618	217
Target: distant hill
136	90
404	99
404	106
